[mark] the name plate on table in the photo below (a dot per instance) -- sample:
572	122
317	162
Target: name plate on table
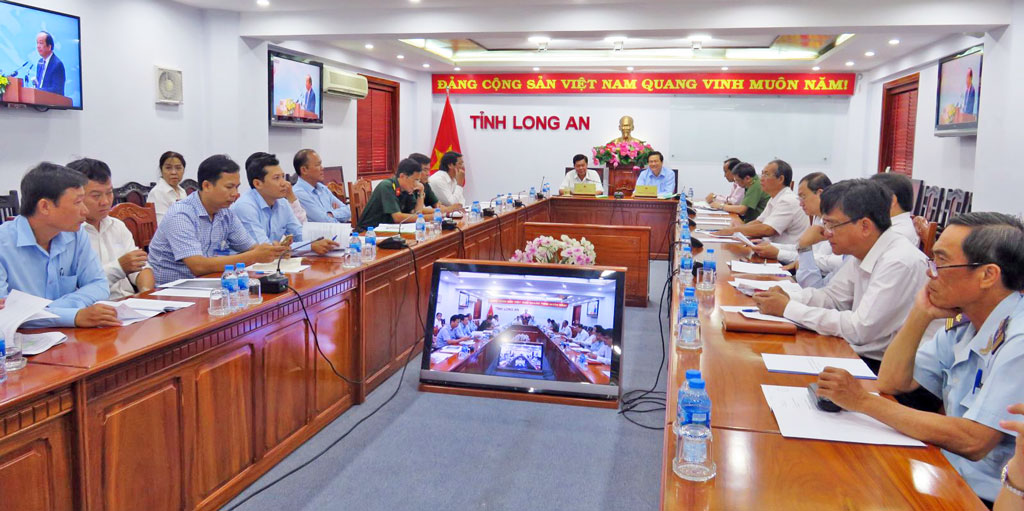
584	189
645	191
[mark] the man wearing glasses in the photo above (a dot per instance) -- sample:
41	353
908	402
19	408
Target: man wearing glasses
868	299
975	363
783	220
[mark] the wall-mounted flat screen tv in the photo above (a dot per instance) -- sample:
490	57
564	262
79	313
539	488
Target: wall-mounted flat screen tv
40	57
959	94
514	342
296	91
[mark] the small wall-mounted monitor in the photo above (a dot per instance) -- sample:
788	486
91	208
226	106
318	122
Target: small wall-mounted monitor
959	94
296	91
519	345
40	57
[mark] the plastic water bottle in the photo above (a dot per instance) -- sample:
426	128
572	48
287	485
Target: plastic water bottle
533	194
689	321
510	202
241	285
691	374
709	261
438	220
229	283
475	212
355	245
547	190
421	228
686	266
370	250
689	193
3	360
693	454
697	404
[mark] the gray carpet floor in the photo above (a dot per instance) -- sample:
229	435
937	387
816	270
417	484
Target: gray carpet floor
426	451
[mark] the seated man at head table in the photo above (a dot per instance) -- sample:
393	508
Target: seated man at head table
495	322
448	181
199	233
735	195
581	174
263	210
316	199
754	198
975	363
123	262
384	206
46	252
527	320
656	175
601	348
430	199
565	329
449	334
782	221
868	299
1011	495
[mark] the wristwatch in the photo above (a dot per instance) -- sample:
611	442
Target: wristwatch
802	250
1009	486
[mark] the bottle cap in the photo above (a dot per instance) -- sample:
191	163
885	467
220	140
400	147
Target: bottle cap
692	374
711	251
686	248
421	215
697	384
690	292
369	229
229	267
240	266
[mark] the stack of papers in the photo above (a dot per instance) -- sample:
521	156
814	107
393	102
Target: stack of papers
751	312
327	230
438	357
407	227
798	417
129	315
189	288
758	268
34	344
713	220
21	307
764	285
800	364
290	265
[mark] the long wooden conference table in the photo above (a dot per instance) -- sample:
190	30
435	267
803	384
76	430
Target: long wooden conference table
184	410
759	469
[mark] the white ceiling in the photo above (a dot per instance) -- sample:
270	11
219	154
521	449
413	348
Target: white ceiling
657	33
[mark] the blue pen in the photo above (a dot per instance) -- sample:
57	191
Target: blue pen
750	310
977	382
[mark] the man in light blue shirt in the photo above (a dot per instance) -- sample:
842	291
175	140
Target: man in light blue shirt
464	329
46	252
199	232
656	175
264	211
320	204
449	334
975	364
601	348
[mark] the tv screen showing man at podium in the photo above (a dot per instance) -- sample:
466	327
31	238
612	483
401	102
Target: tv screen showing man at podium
295	91
578	356
40	57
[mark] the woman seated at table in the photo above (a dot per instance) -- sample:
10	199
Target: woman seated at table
601	348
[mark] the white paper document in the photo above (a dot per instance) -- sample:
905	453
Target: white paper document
714	222
798	417
129	315
289	265
143	304
800	364
197	283
764	285
183	292
34	344
19	308
438	357
743	237
327	230
765	317
408	227
758	268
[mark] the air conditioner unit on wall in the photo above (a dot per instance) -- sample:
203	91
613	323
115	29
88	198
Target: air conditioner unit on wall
344	83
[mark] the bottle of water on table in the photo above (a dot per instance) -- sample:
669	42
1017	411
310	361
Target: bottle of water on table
370	248
691	374
241	285
421	228
438	220
229	283
689	321
510	202
3	360
355	248
686	266
693	438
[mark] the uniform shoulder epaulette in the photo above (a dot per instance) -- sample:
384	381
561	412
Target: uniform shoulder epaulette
956	321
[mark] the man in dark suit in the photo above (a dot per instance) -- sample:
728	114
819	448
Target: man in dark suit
49	70
309	98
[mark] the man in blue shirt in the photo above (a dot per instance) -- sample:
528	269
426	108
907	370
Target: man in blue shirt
199	232
320	204
974	364
264	211
464	329
46	252
656	175
449	334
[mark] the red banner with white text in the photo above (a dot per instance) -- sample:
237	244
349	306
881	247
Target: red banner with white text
793	84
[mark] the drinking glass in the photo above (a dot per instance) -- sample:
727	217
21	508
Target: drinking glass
218	303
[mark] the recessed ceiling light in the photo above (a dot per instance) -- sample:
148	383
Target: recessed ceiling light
536	69
894	42
849	63
725	68
615	39
816	68
458	69
426	65
629	68
699	37
263	3
869	54
400	57
368	46
539	39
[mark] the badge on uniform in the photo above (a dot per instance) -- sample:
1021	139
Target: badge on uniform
956	321
997	338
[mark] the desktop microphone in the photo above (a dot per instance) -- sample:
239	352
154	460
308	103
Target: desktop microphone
397	241
278	282
540	194
15	73
490	211
519	201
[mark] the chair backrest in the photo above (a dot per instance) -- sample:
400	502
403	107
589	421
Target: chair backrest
334	175
9	206
189	185
132	192
359	194
140	220
928	240
338	189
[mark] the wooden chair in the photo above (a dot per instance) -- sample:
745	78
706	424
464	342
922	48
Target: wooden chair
359	194
132	192
140	220
189	185
9	206
928	240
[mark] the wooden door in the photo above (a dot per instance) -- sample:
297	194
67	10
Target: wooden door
576	311
899	124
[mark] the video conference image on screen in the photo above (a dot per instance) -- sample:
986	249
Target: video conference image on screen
544	328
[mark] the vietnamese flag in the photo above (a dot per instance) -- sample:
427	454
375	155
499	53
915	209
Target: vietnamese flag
447	136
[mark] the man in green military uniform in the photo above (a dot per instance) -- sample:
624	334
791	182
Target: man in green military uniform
384	205
754	198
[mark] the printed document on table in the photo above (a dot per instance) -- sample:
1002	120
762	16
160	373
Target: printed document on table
758	268
339	232
289	265
128	314
183	292
19	308
764	285
798	417
801	364
765	317
34	344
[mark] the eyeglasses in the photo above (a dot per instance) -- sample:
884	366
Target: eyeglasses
830	227
933	269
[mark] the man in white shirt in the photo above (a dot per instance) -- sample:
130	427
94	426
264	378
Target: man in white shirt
581	174
783	220
123	263
902	189
868	299
448	181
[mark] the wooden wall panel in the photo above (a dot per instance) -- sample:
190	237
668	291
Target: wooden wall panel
224	436
284	379
335	326
35	468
